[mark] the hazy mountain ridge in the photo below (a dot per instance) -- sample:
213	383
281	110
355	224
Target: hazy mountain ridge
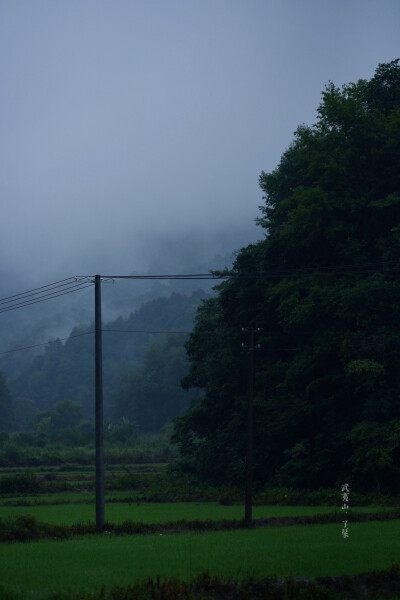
43	373
66	370
37	324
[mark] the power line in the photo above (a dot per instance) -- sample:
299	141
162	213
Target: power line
69	286
45	297
26	295
27	298
47	343
373	267
144	331
35	289
89	333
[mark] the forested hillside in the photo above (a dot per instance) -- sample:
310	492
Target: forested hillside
39	322
66	370
152	394
326	294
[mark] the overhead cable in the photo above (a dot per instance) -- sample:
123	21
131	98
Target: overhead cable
144	331
71	337
373	267
70	290
44	294
28	292
38	294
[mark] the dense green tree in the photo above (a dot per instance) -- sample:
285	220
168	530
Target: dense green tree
327	375
6	406
63	423
64	414
152	395
123	432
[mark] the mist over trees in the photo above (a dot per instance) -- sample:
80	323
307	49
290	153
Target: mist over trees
152	394
327	382
39	377
66	371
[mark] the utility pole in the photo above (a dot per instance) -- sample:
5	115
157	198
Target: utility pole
250	433
99	405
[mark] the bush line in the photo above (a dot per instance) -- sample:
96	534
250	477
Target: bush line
169	487
25	528
206	586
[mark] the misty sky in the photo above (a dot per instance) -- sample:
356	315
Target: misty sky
124	123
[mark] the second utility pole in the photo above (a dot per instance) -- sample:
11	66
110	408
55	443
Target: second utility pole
99	405
250	426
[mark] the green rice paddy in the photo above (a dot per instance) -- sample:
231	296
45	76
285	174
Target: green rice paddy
34	570
68	514
38	569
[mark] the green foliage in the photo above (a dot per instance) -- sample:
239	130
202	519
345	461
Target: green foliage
329	351
125	432
376	453
122	445
365	367
67	370
6	406
62	425
152	395
24	483
64	414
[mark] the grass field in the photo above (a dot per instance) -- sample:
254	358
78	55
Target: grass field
67	514
36	569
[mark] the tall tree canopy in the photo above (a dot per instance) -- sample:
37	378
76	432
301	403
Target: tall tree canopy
327	382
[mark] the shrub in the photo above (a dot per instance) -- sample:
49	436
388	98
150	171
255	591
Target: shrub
23	483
